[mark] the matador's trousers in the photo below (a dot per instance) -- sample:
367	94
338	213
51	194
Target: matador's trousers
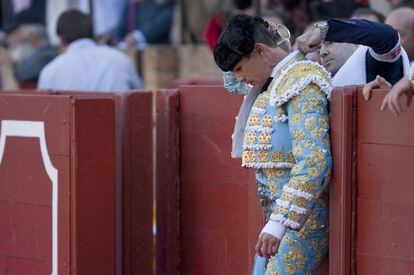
300	252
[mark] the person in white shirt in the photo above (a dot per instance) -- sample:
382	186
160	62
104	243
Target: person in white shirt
85	65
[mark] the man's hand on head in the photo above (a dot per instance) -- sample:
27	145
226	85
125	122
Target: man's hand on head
267	246
310	41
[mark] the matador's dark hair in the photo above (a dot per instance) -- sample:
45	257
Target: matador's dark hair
238	38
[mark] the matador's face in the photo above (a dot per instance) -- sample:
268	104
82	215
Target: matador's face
252	69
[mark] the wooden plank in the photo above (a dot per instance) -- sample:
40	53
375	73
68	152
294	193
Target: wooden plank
214	228
384	127
133	160
167	183
208	109
373	264
25	266
137	182
63	164
385	238
227	213
207	157
385	172
48	108
3	265
384	228
340	214
205	253
26	189
24	154
220	212
93	189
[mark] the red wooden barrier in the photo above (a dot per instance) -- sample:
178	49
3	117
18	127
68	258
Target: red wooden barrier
371	197
134	177
385	228
167	183
137	183
217	213
134	184
342	209
51	167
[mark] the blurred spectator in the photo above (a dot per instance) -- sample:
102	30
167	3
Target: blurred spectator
84	65
324	9
385	7
269	11
216	24
368	14
214	28
107	17
10	8
402	20
147	22
243	4
28	50
193	16
277	16
300	15
53	9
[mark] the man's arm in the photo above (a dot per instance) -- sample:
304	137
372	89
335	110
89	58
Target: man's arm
381	38
384	54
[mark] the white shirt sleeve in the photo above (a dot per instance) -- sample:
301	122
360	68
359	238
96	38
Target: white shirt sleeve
275	229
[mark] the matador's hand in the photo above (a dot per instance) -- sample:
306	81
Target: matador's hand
267	245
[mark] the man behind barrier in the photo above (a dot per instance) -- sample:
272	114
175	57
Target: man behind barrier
85	65
281	132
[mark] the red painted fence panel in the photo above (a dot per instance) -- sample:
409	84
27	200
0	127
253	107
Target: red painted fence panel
385	150
51	167
341	205
134	178
216	218
75	136
372	193
167	183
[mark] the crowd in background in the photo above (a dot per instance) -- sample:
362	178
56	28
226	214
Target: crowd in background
29	38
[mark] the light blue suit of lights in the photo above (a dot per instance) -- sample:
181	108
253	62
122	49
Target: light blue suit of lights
286	141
